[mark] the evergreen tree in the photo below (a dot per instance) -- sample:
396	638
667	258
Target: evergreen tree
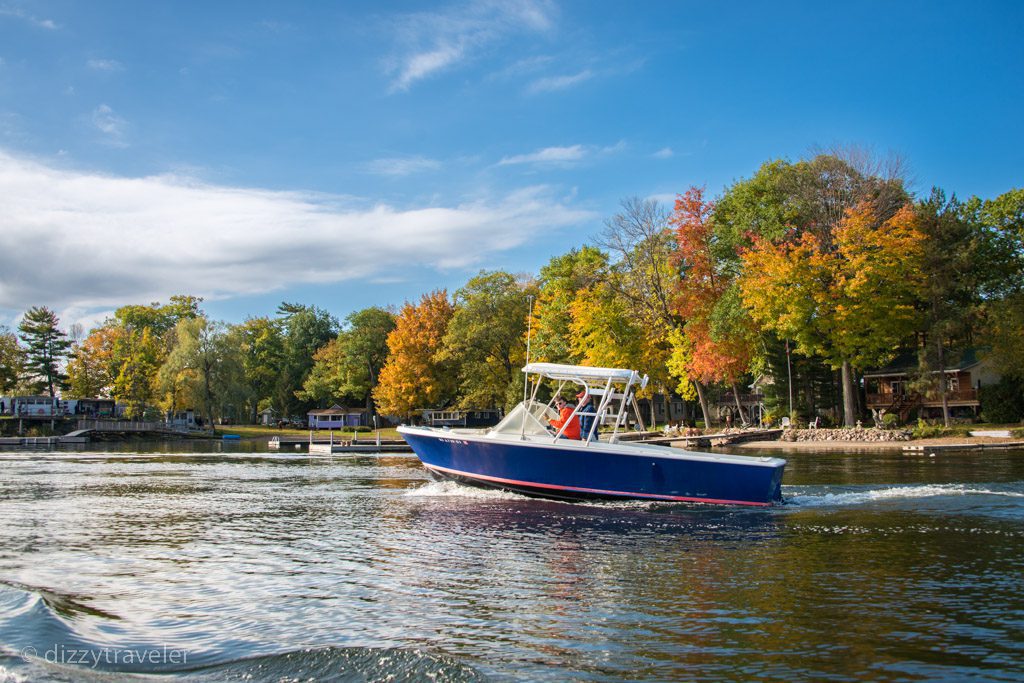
45	348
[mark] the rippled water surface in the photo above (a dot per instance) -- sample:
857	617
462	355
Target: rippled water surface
251	566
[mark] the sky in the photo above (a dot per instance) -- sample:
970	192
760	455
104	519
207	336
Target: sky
351	154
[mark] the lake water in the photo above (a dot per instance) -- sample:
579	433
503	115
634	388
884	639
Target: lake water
236	565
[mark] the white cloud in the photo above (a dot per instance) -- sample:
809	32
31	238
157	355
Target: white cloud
110	124
105	65
86	242
425	63
548	155
663	153
48	24
402	166
431	42
553	83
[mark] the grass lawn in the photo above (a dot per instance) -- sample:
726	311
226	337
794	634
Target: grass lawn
260	431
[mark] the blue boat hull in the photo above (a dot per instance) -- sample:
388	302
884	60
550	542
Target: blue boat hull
591	473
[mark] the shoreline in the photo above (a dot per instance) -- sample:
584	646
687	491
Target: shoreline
946	441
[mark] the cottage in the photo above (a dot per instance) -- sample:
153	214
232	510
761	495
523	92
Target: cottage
268	416
336	417
181	420
890	388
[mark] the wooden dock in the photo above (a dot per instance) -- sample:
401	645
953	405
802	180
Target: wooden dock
711	440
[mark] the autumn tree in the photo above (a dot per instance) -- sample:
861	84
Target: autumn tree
139	354
12	359
413	377
852	301
716	341
785	201
92	363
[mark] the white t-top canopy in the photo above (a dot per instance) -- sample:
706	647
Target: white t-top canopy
581	372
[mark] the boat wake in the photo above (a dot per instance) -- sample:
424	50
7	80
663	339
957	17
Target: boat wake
859	497
313	664
451	489
43	639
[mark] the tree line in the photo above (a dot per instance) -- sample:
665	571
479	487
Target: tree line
816	270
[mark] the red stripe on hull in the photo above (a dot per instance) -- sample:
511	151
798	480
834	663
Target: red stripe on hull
600	492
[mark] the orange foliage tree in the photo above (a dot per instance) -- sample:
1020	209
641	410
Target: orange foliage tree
412	376
715	344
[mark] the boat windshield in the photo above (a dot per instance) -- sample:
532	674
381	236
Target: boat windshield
529	418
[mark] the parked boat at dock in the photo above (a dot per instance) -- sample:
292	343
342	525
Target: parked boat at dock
522	454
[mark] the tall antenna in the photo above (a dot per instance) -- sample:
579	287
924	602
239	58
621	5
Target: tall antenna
529	329
526	384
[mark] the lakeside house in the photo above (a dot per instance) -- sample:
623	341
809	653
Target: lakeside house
182	420
890	388
268	416
337	417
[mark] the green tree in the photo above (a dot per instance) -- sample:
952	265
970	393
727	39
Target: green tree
1001	222
46	346
364	349
260	345
326	381
952	281
143	337
485	339
562	281
139	355
193	374
306	329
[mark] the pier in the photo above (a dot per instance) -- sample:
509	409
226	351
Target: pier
332	446
711	440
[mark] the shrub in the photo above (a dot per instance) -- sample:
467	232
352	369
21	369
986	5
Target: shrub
1003	402
890	420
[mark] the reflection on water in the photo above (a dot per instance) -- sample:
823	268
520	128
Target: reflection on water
257	566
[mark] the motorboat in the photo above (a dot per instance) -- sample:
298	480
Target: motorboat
525	454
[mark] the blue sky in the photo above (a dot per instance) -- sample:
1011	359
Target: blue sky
362	153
